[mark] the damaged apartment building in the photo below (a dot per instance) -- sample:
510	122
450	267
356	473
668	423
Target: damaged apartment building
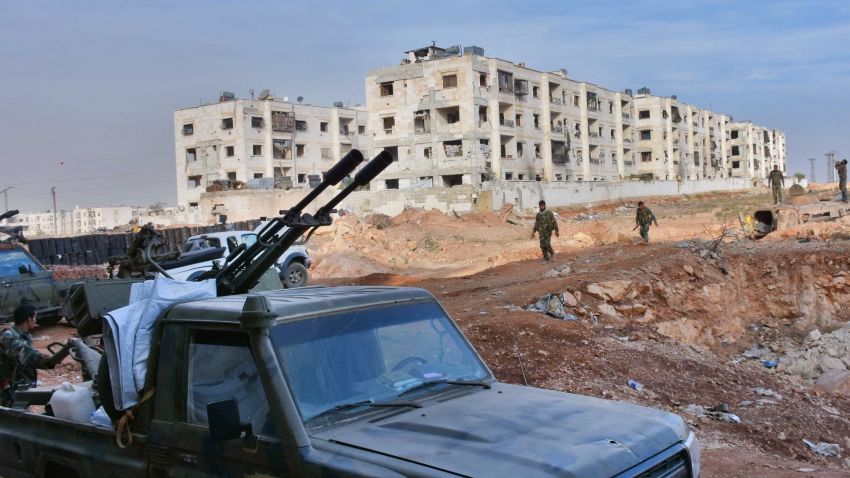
263	143
454	116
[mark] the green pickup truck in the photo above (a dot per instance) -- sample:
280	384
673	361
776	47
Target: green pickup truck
343	381
24	279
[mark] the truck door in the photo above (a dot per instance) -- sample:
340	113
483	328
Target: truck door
219	367
22	279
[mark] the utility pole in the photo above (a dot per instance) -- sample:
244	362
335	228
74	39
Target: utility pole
55	221
812	175
5	192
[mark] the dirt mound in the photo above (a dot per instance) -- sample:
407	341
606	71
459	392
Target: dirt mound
343	265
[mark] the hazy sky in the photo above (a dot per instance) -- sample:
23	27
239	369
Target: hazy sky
87	88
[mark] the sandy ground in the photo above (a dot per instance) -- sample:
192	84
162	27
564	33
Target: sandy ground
680	326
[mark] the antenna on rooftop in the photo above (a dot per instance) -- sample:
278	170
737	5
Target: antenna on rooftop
251	91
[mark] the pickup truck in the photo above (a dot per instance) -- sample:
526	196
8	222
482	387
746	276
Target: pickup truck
343	381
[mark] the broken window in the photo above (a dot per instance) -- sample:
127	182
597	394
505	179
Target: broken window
506	82
536	119
282	121
482	115
323	126
387	88
646	134
227	123
482	79
229	151
300	125
258	175
256	121
188	129
281	149
427	152
299	150
257	150
191	155
391	183
736	164
643	114
592	101
449	81
393	151
326	153
453	149
519	150
451	180
736	150
503	151
449	115
520	176
361	129
509	176
343	129
535	91
194	181
519	120
538	150
646	156
576	100
520	87
389	124
231	175
734	135
422	121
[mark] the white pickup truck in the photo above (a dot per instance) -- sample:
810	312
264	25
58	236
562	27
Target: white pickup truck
292	265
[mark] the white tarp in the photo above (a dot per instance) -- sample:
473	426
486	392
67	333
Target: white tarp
127	334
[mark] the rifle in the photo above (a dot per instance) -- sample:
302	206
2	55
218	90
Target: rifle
245	265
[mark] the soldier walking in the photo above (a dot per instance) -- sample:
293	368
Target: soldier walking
544	224
777	182
841	167
643	219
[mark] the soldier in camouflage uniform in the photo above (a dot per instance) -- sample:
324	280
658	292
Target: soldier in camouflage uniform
544	224
841	167
777	182
18	359
643	219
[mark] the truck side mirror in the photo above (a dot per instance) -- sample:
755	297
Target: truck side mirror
224	422
24	269
231	244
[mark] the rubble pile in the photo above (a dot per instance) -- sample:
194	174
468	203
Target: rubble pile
819	354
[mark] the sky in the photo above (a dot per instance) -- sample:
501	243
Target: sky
88	88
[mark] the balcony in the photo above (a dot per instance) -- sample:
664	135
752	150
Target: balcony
626	116
593	135
557	129
507	123
628	163
389	131
595	160
555	101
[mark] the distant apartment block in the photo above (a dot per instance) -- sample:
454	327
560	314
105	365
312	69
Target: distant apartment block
75	221
267	143
452	117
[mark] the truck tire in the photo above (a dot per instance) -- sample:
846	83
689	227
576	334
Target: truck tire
47	320
295	275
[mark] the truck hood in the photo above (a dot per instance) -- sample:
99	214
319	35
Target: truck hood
517	431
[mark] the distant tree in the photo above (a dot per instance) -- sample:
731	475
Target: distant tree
799	176
157	208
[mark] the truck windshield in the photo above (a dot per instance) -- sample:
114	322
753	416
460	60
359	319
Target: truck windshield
12	260
372	355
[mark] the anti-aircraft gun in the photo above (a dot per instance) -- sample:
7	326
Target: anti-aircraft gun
14	233
244	266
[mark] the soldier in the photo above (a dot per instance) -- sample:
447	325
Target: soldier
643	219
777	182
544	224
18	359
841	167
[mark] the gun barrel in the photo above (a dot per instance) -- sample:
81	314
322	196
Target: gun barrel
8	214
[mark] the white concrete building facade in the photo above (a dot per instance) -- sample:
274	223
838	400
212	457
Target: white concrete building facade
75	221
267	143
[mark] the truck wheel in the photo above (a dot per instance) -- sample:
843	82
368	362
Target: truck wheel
48	319
295	275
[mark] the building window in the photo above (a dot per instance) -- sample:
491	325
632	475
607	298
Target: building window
258	175
323	126
387	88
231	175
299	150
643	114
451	180
229	151
535	91
482	79
391	183
326	153
734	135
645	157
389	124
302	178
538	152
449	81
736	164
193	204
194	182
736	150
257	150
188	129
453	149
518	120
520	147
536	118
361	129
191	155
646	134
227	123
427	152
612	133
300	125
256	121
509	176
576	100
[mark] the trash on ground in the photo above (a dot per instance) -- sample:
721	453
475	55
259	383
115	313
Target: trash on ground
824	449
770	363
635	385
766	392
553	306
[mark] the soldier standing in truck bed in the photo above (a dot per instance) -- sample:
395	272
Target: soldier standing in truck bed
777	182
544	224
643	219
841	167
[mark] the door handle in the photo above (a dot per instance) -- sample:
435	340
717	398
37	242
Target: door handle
188	459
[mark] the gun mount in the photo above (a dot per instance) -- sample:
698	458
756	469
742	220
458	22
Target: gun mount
14	233
246	265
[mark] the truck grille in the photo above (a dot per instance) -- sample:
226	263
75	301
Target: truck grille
674	467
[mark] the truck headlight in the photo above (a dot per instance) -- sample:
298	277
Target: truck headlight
693	451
